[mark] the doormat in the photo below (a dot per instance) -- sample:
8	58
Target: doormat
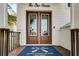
39	51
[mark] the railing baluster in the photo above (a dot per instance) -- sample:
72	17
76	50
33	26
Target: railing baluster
0	42
11	40
2	38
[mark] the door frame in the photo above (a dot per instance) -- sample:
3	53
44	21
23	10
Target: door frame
37	16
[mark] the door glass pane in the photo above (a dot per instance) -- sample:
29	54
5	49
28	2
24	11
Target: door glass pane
44	25
33	25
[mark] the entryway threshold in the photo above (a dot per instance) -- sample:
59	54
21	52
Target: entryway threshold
39	45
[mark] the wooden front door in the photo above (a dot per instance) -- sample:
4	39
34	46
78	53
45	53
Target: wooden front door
39	28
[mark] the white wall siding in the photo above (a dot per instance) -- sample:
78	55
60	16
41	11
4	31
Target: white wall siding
65	38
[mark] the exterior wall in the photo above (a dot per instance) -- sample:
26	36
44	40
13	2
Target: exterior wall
3	15
64	34
60	16
65	38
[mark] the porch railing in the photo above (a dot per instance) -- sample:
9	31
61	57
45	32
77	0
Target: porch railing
9	40
13	42
4	36
75	42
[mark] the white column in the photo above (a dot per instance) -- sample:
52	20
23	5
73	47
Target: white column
21	23
3	15
75	15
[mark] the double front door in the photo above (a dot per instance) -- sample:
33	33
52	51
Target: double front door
39	28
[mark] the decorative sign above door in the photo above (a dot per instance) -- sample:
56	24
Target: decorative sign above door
38	5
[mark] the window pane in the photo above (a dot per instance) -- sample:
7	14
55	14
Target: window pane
33	25
44	25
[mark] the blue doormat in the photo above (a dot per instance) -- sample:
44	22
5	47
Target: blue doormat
39	51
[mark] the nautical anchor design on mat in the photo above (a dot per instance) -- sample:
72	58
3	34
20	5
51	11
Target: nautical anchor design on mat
35	49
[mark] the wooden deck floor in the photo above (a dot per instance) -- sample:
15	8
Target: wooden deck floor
16	51
63	51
